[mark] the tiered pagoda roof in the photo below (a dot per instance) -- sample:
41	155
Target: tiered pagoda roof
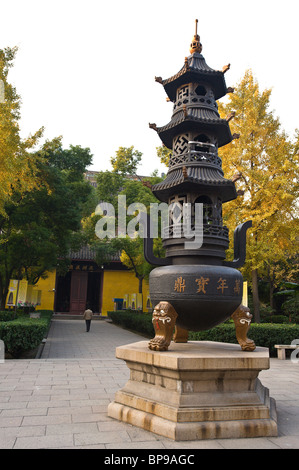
191	119
177	181
195	69
194	91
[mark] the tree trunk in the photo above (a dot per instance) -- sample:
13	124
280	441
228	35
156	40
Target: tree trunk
1	292
140	279
4	293
2	304
271	293
255	297
271	279
4	284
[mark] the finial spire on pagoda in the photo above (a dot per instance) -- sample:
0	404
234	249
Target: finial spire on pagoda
195	45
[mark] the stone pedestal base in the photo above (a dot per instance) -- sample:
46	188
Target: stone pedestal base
196	390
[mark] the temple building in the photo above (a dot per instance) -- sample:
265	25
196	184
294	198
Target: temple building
101	288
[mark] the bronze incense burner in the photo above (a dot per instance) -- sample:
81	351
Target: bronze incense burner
196	288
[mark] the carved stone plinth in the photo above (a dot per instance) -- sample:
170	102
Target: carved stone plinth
195	390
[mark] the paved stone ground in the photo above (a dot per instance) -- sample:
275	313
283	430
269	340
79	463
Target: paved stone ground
60	401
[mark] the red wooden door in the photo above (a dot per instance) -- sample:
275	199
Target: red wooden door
78	292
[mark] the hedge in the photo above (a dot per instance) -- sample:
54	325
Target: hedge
263	334
7	315
24	333
139	322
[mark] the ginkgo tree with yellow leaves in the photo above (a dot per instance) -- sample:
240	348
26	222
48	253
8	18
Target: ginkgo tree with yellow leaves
18	167
264	164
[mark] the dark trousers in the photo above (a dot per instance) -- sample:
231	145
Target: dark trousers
88	322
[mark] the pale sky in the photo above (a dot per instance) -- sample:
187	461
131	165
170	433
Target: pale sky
85	69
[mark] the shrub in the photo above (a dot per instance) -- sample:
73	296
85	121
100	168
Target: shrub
291	308
139	322
279	319
263	334
23	333
7	315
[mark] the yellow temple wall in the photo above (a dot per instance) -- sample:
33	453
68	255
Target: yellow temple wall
47	286
118	283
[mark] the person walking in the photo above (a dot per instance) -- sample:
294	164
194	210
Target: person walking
87	316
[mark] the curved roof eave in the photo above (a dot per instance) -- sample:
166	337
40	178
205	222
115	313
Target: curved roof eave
219	126
195	70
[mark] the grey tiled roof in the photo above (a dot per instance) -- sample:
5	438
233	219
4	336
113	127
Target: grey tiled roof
87	253
197	177
195	69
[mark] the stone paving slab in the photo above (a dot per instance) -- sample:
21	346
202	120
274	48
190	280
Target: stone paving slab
60	400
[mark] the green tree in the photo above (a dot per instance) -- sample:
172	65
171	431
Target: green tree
39	229
130	251
264	162
126	160
109	184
